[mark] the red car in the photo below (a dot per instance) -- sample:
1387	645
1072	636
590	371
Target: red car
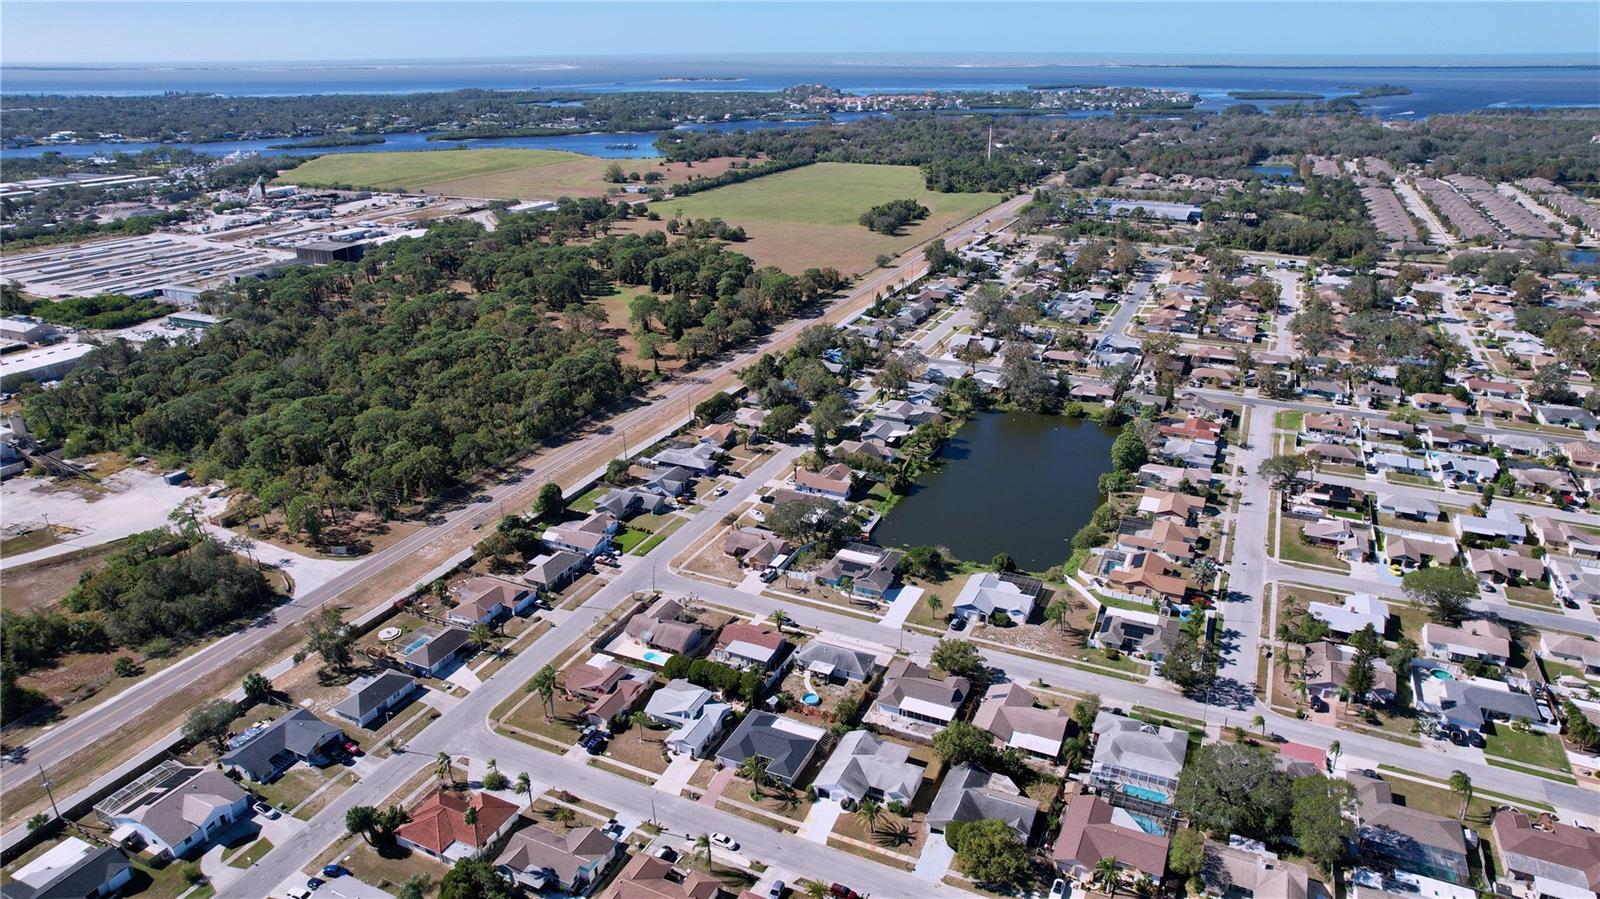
351	747
840	891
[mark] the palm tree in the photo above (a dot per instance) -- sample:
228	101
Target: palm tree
1461	785
470	816
444	768
815	889
869	811
1259	723
780	618
525	785
1074	751
482	635
1334	751
702	845
754	769
1109	874
544	683
935	604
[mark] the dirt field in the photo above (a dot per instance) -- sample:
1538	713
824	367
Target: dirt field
43	583
501	174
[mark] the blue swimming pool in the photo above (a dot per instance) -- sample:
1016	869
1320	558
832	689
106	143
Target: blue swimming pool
1148	824
1144	793
655	658
1441	674
416	644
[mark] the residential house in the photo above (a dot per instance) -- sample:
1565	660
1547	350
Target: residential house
71	868
1415	508
623	503
1469	704
911	697
1093	829
1408	838
1327	389
862	569
786	745
720	436
1574	579
1329	427
1458	469
1332	496
1352	540
660	627
376	698
1188	453
1565	416
1565	537
1399	463
749	646
608	689
1174	477
552	571
435	651
173	810
648	877
1142	760
1417	551
1487	641
1504	566
756	548
1547	857
485	600
1358	611
439	829
1147	635
1436	437
571	862
1148	576
669	481
1378	395
835	662
1543	481
1440	402
1327	672
866	767
698	457
694	713
1010	712
1582	456
1244	870
1498	524
299	736
970	793
1571	649
987	594
1333	454
835	481
589	537
1174	541
1179	507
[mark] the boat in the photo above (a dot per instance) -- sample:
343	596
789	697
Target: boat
622	146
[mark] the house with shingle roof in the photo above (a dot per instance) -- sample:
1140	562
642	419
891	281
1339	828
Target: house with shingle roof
745	646
376	697
1547	857
439	829
484	600
571	862
786	745
297	736
912	698
970	793
1481	639
694	714
1250	870
1010	712
608	688
1572	649
835	662
866	767
1142	759
71	869
986	593
1093	829
1408	838
659	627
174	809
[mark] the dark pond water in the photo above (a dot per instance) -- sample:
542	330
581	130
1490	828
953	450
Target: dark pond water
1582	257
1012	482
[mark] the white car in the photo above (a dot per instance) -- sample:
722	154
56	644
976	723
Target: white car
1058	890
724	841
299	893
266	811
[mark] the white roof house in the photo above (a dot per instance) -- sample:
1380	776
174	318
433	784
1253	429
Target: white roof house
1497	524
1358	611
865	766
693	711
986	593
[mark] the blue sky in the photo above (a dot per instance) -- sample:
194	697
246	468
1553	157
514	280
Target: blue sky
68	31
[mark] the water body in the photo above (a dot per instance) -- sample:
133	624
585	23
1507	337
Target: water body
1282	172
1012	482
1435	89
1582	257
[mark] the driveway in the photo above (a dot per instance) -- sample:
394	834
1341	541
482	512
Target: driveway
820	820
934	862
677	775
901	602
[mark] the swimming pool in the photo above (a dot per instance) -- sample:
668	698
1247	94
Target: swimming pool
1148	824
418	643
1144	793
1441	674
655	658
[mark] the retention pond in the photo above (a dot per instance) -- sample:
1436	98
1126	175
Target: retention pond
1012	482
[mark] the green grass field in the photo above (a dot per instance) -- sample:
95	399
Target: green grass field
809	216
508	174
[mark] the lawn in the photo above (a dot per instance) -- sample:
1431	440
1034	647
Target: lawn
253	854
1541	750
1294	550
508	174
1288	420
809	216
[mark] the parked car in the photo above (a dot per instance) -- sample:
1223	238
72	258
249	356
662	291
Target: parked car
266	811
1476	740
958	623
332	871
769	575
614	830
313	882
351	747
758	515
666	853
299	893
777	891
840	891
723	841
720	491
1058	890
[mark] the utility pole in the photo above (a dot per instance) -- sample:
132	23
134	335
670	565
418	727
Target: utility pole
49	792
